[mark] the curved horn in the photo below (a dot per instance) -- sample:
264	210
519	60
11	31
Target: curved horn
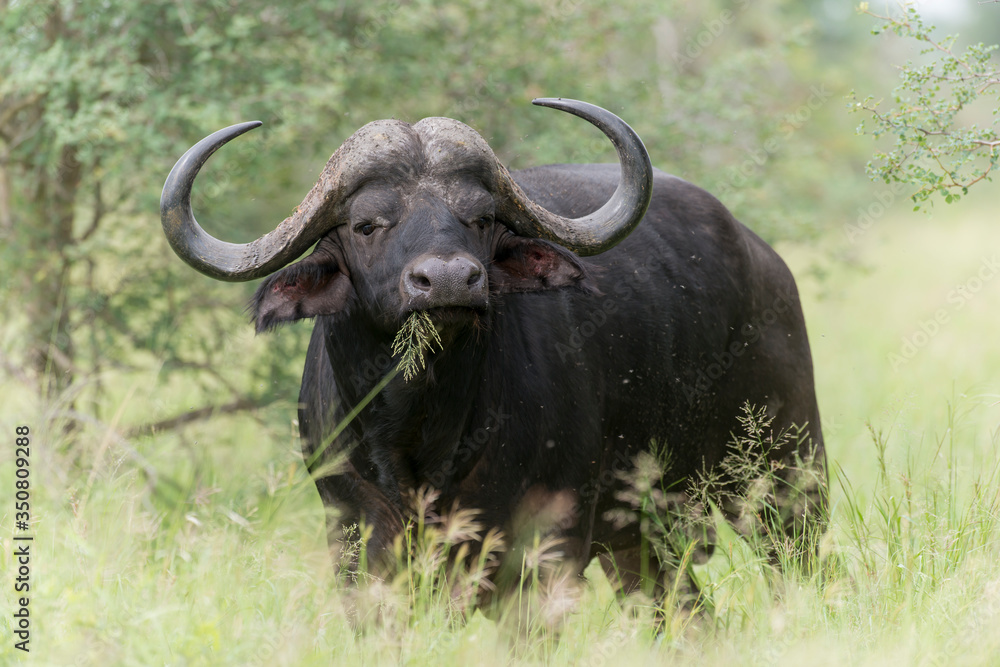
215	258
313	218
609	225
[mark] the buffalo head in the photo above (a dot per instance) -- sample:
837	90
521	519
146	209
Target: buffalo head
410	217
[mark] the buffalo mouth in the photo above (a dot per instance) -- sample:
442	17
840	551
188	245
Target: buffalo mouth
445	312
451	324
450	321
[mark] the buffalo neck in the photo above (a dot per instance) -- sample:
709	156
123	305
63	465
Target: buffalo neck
413	428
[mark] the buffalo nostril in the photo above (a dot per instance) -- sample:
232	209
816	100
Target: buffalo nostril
420	280
475	277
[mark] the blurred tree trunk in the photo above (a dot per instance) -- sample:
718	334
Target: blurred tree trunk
43	230
54	201
6	217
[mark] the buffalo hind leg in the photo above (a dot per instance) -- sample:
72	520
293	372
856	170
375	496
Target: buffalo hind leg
669	586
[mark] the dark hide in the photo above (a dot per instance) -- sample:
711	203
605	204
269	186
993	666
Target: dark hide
574	366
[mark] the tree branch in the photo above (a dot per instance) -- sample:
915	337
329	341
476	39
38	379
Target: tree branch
99	211
8	112
239	405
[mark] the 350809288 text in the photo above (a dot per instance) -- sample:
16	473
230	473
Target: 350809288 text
22	540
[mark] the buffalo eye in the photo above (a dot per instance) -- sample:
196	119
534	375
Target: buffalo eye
484	221
368	227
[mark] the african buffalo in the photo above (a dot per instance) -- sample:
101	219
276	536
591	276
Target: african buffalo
573	337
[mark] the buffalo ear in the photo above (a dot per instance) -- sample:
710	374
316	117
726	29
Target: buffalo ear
530	265
314	286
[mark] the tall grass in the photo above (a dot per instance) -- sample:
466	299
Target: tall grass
129	572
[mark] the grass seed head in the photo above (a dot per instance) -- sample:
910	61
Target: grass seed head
416	337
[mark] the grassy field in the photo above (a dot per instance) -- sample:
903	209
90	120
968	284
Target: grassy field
207	547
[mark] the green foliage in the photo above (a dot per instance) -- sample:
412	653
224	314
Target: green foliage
944	141
724	94
96	101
